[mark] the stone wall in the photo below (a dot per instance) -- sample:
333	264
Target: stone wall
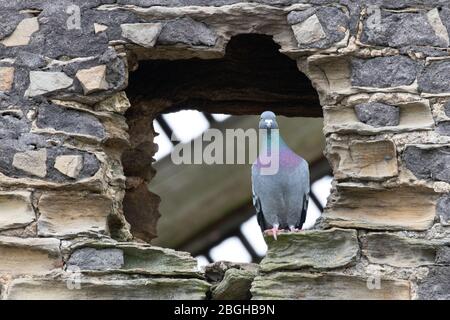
75	156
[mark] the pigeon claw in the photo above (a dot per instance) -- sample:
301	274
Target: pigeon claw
272	232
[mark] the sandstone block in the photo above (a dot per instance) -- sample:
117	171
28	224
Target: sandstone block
93	79
32	162
15	210
42	82
69	165
6	78
69	214
300	286
235	285
402	208
321	249
22	34
143	34
29	255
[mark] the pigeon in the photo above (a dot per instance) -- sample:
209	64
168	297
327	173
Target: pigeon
281	197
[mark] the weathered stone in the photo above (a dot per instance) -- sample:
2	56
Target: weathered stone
447	109
403	29
15	210
22	34
98	27
118	103
215	272
398	251
29	255
443	208
69	165
403	208
6	78
235	285
435	78
70	121
143	34
383	72
443	128
68	214
187	31
431	163
32	162
326	286
320	249
308	31
443	255
415	115
436	285
378	114
372	160
107	289
96	259
42	82
93	79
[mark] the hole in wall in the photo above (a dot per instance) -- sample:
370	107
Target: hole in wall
207	209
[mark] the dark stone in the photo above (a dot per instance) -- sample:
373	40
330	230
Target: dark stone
435	78
400	29
295	17
433	163
383	72
443	128
378	114
96	259
447	108
12	125
69	121
443	255
30	60
436	286
443	208
187	31
9	19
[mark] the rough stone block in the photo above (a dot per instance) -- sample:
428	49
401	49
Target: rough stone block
32	162
436	285
378	114
301	286
70	121
431	163
383	72
22	34
435	78
320	249
187	31
42	82
235	285
96	259
415	115
398	251
69	165
443	208
402	208
107	289
29	255
405	29
143	34
6	78
15	210
371	160
93	79
69	214
308	31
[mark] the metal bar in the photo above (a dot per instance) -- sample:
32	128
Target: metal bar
209	117
248	246
167	130
208	257
316	201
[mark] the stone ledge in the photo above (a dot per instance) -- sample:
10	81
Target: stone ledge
299	286
111	288
321	249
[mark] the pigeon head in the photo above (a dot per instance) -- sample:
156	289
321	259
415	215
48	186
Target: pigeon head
268	120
